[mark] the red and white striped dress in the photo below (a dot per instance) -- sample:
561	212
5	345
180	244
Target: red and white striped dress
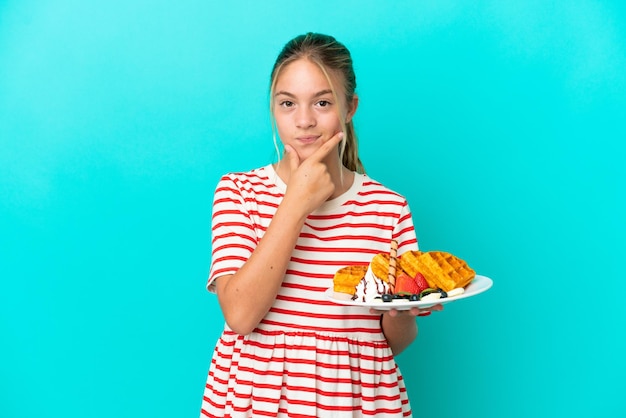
308	357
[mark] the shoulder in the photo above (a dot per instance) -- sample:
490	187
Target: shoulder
257	175
374	189
256	179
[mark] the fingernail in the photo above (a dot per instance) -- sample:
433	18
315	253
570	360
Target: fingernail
424	313
341	135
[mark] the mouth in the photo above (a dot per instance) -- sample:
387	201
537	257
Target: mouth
307	139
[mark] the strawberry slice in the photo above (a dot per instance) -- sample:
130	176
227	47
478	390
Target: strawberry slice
406	284
420	282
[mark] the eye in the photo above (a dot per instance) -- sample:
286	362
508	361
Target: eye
324	103
286	103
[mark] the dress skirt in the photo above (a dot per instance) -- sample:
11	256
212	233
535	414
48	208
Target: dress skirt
300	374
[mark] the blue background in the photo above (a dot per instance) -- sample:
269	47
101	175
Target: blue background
502	122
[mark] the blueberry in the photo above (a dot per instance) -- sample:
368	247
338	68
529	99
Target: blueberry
387	297
444	294
414	298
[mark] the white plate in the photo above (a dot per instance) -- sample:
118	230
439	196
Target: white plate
479	285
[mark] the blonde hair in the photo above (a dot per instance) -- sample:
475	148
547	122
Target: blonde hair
331	56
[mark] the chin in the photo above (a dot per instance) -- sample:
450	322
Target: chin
305	151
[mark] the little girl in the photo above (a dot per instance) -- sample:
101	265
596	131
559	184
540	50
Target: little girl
280	232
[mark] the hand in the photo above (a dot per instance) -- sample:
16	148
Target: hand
310	183
414	311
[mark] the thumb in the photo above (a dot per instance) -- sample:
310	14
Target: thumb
292	157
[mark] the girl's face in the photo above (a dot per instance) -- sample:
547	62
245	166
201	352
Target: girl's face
305	110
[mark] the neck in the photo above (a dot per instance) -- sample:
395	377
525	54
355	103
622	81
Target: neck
343	181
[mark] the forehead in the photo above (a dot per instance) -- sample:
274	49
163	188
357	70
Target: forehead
303	76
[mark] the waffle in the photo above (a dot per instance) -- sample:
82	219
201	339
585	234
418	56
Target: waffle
441	270
408	262
380	266
346	279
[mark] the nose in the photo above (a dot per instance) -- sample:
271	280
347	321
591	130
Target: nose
305	118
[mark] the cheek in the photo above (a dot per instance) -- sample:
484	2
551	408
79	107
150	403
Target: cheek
333	123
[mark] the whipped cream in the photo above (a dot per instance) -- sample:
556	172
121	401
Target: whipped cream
370	287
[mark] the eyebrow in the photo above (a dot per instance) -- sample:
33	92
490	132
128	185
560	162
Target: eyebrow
318	94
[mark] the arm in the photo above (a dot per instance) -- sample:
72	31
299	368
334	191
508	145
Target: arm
246	296
399	329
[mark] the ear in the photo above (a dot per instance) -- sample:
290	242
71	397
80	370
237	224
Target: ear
352	108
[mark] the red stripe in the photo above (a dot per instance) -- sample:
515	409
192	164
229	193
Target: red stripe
317	363
352	214
261	203
307	274
243	259
311	376
217	237
310	288
313	348
351	225
305	301
343	237
291	414
232	225
335	317
287	325
233	246
318	262
346	250
408	243
322	337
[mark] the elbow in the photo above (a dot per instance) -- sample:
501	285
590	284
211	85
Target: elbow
240	321
241	313
400	346
240	327
399	336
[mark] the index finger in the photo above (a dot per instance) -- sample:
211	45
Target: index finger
327	146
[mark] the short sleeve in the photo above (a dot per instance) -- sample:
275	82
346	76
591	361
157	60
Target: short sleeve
404	232
233	233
